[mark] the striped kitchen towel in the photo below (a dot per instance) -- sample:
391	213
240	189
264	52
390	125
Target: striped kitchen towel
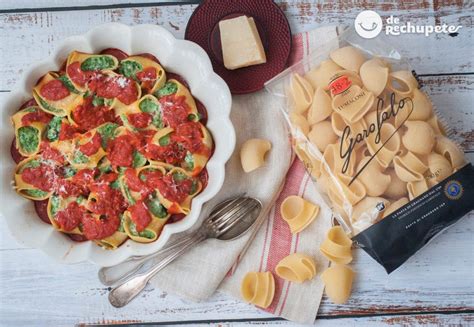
221	265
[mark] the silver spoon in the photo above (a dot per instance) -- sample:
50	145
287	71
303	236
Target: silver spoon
227	221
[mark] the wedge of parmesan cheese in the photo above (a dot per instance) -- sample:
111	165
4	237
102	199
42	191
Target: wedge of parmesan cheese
241	44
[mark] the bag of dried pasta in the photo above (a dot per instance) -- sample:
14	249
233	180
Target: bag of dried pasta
375	145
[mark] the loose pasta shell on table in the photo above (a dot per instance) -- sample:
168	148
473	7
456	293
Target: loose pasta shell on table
321	75
395	206
252	153
300	124
353	110
409	167
367	212
337	246
374	75
301	93
322	134
419	137
338	283
439	167
258	288
385	147
397	188
321	108
375	181
296	267
417	188
298	212
450	151
422	107
402	83
348	57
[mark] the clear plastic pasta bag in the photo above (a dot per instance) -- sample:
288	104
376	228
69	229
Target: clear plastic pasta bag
373	142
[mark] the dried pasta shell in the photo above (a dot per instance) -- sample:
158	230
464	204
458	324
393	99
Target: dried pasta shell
300	123
409	168
353	104
387	146
338	123
450	151
395	206
374	75
321	75
398	188
348	58
416	188
252	153
333	163
353	78
422	107
436	125
407	77
419	138
367	212
402	83
353	132
311	163
374	180
341	193
296	267
258	288
298	212
322	134
337	246
338	283
440	167
301	93
320	108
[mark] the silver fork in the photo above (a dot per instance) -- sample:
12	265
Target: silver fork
221	220
114	275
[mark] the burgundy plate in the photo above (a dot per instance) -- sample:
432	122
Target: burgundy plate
273	28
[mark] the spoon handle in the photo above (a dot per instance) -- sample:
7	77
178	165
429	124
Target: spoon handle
114	275
124	293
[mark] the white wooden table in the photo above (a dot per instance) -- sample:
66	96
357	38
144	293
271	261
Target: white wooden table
435	287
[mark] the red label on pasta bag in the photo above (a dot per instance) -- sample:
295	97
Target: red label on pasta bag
339	84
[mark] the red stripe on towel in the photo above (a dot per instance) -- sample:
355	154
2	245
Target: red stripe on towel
281	237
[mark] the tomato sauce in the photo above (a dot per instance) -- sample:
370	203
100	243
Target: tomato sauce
76	74
202	111
86	116
69	218
36	116
96	229
152	177
120	150
49	153
41	208
149	56
67	131
140	215
121	87
190	135
92	146
177	77
172	153
173	190
16	155
42	177
140	120
54	90
135	184
175	110
147	78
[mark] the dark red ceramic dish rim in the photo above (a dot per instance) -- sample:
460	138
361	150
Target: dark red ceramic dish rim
258	87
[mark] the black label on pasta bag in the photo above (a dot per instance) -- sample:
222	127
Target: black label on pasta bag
401	234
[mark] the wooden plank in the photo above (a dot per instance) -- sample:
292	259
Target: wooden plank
42	31
447	261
